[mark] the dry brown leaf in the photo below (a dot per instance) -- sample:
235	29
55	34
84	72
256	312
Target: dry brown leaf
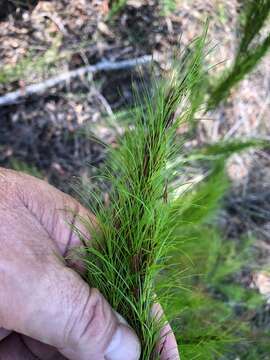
104	29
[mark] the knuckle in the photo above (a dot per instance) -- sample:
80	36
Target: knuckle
91	322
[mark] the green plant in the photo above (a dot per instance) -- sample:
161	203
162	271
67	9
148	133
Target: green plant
135	230
149	234
253	17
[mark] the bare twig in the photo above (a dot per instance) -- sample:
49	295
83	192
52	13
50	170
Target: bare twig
40	88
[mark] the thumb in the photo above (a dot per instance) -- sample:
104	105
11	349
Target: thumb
95	331
92	330
75	319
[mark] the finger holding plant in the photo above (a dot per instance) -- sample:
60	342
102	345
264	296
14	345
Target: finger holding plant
46	309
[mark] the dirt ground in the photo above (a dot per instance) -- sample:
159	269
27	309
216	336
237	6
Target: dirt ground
40	39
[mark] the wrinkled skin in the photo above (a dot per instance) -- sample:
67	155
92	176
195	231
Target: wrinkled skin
46	310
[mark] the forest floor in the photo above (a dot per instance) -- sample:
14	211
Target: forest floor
46	38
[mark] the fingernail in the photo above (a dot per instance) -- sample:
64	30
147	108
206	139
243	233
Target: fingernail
124	345
120	318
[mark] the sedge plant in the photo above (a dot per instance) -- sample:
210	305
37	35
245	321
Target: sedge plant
135	231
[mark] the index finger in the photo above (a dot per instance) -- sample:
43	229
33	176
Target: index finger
56	211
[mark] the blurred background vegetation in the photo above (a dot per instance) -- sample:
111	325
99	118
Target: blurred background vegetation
224	280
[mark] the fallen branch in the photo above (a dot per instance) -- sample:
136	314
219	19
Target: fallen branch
40	88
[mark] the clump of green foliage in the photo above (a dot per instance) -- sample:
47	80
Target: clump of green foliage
136	229
254	15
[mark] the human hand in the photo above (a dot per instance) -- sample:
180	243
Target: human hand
46	310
